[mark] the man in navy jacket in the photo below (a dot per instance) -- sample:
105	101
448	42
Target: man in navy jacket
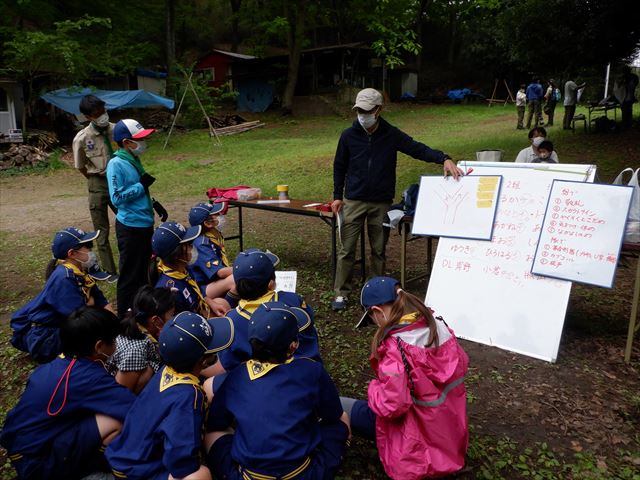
364	180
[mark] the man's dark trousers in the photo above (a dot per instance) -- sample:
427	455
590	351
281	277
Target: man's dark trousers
134	244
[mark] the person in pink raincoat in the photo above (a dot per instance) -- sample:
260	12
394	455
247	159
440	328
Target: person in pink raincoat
417	404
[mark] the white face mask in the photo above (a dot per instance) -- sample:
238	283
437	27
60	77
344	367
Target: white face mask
102	121
222	221
90	262
367	120
537	141
140	149
194	256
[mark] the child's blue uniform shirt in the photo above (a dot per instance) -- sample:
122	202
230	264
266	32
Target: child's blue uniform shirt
35	325
127	193
210	257
286	401
162	432
240	349
29	429
188	296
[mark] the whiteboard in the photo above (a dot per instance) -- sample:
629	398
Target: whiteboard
582	232
462	209
485	290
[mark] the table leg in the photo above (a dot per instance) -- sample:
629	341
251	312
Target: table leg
634	314
334	250
429	254
363	268
241	240
403	253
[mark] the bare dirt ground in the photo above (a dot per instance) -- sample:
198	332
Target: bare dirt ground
588	401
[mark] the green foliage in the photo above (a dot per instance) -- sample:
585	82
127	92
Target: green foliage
191	114
50	165
388	21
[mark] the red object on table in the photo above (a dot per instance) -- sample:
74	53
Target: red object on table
222	194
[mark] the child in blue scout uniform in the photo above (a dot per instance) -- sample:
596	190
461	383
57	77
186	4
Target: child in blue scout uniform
137	357
71	407
254	274
285	410
162	433
172	243
210	266
68	287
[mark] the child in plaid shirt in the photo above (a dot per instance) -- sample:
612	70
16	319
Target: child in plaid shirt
136	358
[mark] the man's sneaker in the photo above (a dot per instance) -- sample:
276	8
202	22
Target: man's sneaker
340	303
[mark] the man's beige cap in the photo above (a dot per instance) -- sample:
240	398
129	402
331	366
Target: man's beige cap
368	99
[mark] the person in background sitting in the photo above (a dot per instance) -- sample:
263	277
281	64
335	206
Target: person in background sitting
531	154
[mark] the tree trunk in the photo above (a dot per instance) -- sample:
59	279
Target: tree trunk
453	33
170	31
235	39
296	16
422	8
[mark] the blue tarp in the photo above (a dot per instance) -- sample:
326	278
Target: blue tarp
458	94
68	99
254	96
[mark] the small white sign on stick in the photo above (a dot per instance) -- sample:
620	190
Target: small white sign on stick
286	281
582	232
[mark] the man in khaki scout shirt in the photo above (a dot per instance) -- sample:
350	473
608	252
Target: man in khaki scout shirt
92	150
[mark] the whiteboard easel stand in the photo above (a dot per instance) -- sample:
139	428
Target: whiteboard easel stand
212	131
633	328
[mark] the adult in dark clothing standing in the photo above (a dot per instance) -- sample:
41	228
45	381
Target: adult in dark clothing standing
364	180
534	103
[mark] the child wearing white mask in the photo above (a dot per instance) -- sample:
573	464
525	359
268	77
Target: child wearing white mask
210	266
531	154
68	287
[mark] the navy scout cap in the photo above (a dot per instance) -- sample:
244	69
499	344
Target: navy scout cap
254	264
188	336
199	213
70	238
377	291
169	235
275	324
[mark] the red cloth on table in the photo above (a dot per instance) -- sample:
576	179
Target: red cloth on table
222	194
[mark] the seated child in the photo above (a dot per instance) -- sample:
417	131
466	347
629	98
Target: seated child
162	433
255	276
137	357
68	287
211	267
285	410
172	243
71	407
545	152
417	404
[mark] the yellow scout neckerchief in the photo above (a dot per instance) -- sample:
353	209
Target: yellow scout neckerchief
171	378
218	240
258	369
409	318
203	308
247	307
146	333
87	281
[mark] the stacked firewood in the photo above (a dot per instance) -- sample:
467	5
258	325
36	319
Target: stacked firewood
241	127
22	156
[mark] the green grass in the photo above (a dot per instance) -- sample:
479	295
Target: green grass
300	152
